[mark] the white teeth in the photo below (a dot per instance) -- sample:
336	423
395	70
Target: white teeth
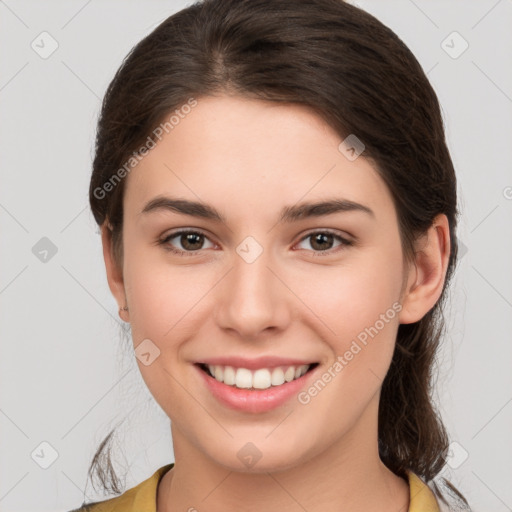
229	376
243	378
262	378
219	373
289	374
277	377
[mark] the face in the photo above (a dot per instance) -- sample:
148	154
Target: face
258	289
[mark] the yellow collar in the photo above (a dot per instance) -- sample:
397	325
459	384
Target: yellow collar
421	497
142	498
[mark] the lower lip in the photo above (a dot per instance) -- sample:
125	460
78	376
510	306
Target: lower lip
254	400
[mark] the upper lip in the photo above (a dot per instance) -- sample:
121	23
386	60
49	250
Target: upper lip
255	363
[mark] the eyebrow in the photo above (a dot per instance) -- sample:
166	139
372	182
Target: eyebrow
288	213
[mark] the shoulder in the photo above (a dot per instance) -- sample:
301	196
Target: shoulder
141	498
437	495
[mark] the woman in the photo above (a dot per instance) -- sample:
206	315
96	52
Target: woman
278	212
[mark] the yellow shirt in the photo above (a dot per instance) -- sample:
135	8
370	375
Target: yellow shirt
142	498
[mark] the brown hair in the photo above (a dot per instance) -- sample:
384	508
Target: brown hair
360	77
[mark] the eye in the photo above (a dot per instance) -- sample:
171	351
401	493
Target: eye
190	241
323	240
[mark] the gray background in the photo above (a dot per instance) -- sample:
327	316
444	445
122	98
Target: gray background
66	379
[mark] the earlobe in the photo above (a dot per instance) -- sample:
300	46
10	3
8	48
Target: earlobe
114	273
426	277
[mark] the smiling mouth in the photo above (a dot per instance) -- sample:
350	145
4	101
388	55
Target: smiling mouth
260	379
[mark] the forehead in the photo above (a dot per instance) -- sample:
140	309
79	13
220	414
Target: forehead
240	153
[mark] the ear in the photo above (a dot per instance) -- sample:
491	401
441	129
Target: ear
426	277
114	273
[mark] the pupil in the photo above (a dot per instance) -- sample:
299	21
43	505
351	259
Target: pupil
189	240
322	237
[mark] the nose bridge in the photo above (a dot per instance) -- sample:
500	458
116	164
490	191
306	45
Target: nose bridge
251	278
251	272
252	298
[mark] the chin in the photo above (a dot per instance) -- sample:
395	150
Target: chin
258	458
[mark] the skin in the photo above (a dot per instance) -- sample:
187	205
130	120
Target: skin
250	158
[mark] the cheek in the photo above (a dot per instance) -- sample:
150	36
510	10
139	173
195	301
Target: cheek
167	306
357	303
162	295
352	296
161	304
360	308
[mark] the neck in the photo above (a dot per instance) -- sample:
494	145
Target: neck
348	476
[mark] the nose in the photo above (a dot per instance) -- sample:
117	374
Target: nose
253	300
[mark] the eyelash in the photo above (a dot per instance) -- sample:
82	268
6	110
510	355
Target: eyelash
344	242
